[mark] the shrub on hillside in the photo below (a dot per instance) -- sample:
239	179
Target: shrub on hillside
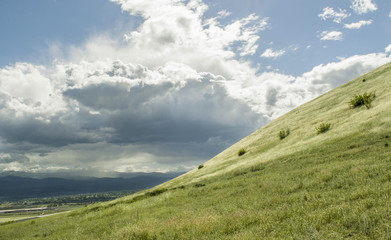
241	152
284	133
200	166
323	127
8	222
197	185
156	192
364	99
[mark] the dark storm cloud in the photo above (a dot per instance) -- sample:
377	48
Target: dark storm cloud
13	157
112	97
105	114
53	133
271	96
193	111
127	70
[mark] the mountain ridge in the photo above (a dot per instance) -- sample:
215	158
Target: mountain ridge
16	187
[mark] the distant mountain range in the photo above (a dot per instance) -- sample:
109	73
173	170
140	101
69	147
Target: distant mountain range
16	187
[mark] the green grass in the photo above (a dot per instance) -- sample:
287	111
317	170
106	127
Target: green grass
309	186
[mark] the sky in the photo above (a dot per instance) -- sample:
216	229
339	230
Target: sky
100	87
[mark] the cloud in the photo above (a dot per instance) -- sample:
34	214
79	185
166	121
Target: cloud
330	13
160	86
223	14
270	53
358	25
124	98
159	111
117	103
388	49
173	27
273	94
389	15
13	157
363	6
337	73
331	35
179	32
28	91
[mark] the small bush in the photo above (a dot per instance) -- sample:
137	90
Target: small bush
8	222
240	172
200	166
364	99
241	152
257	168
156	192
323	127
284	133
199	185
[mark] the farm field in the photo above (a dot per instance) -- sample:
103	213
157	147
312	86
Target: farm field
13	211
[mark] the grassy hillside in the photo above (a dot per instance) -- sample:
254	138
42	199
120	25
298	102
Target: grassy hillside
333	185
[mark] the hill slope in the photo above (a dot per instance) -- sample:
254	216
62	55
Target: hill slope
333	185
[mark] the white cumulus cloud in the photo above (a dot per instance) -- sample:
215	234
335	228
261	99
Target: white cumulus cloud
358	25
223	13
331	35
270	53
273	94
363	6
336	73
336	16
388	49
179	32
